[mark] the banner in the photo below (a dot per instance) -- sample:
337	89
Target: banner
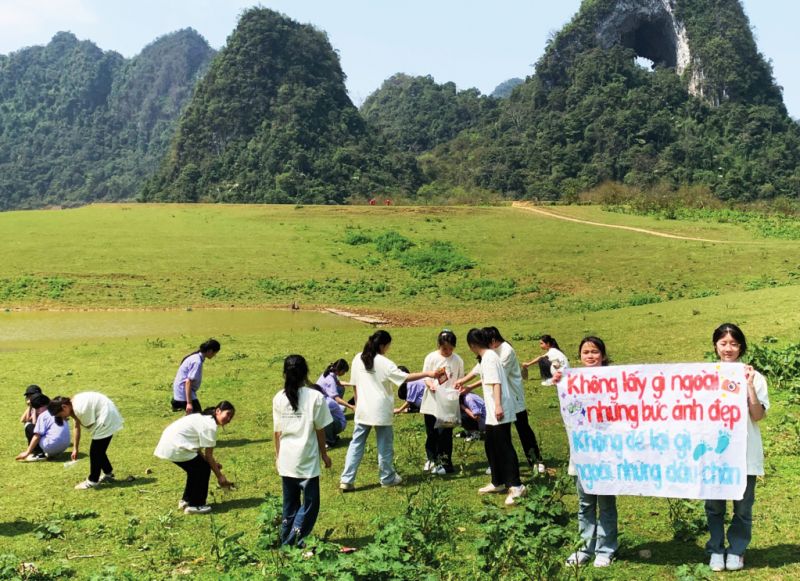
677	430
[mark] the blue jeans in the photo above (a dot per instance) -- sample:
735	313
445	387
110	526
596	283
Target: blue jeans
740	530
599	534
385	437
299	518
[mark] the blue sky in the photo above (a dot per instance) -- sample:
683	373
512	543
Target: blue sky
473	43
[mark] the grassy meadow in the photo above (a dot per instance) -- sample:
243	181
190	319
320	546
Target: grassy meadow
652	300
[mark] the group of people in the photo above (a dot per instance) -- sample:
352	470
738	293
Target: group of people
308	418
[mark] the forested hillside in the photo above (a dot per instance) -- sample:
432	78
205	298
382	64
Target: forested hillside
271	122
78	124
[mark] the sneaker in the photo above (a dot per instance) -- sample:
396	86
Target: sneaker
394	482
439	471
35	458
492	489
205	509
182	504
428	466
86	485
462	435
602	561
514	493
734	562
717	562
489	471
547	382
541	468
107	477
347	486
578	558
473	437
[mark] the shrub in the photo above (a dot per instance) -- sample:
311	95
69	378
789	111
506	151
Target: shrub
391	242
484	289
437	257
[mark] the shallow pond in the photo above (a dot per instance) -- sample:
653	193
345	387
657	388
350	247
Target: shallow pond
32	328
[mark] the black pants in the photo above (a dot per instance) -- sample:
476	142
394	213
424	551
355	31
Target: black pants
181	405
37	451
469	424
98	460
528	439
502	456
544	368
332	432
438	444
198	472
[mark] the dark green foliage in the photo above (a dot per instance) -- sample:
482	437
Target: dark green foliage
504	89
416	114
78	124
590	115
781	365
484	289
271	122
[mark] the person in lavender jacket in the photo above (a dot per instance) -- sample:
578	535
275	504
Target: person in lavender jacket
190	376
332	386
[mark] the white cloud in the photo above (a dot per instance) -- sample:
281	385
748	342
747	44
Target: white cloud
29	22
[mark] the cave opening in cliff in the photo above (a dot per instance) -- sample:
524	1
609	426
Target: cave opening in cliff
653	40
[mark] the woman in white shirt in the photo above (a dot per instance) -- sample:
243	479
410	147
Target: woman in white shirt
181	443
439	441
552	360
375	378
500	413
300	415
97	413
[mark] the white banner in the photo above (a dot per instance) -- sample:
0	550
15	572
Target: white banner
677	430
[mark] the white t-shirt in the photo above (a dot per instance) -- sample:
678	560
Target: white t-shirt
299	451
183	438
508	357
554	355
492	372
375	390
755	449
453	365
97	413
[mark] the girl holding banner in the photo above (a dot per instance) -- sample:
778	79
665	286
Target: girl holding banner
730	344
598	531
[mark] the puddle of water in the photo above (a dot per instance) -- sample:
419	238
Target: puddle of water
41	328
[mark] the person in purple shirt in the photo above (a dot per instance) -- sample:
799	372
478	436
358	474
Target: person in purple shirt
332	387
339	423
190	376
50	436
473	415
411	393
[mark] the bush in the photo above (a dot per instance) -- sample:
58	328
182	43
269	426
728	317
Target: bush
436	258
391	242
484	289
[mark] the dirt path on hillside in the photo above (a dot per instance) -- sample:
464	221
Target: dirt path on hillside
528	207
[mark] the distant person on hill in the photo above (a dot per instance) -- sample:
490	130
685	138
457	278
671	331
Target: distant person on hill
300	416
439	441
49	436
550	361
28	418
97	413
374	376
181	443
332	386
500	413
597	514
190	376
730	345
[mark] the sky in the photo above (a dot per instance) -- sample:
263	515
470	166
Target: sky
474	43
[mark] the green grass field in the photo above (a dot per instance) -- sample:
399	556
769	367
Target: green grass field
652	299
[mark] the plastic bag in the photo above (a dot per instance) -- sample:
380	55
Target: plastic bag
448	410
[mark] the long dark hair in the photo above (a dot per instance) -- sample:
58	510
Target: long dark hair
373	347
736	334
337	367
597	342
493	333
549	340
54	407
295	376
205	347
224	405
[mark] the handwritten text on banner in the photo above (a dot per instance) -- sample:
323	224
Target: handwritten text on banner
677	430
